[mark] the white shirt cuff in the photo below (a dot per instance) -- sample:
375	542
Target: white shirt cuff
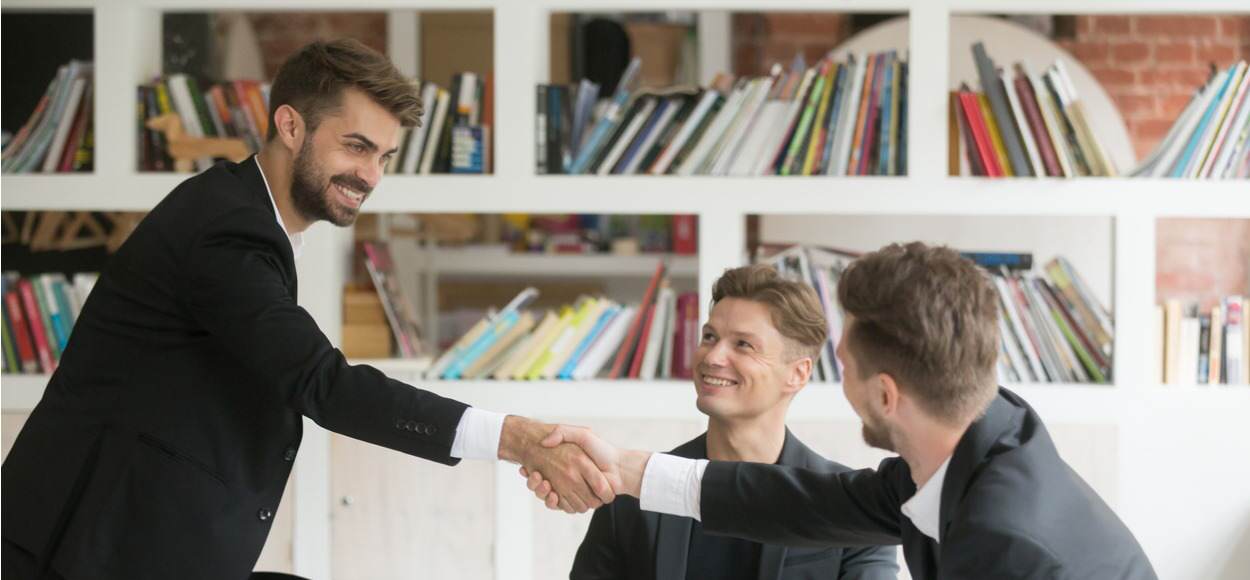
672	485
477	435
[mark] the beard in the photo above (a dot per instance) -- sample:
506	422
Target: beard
311	193
877	433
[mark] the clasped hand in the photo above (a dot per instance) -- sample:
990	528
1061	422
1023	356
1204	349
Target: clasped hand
622	469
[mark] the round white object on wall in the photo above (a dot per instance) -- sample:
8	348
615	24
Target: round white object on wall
1008	43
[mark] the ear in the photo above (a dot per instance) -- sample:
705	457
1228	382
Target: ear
888	394
290	126
800	374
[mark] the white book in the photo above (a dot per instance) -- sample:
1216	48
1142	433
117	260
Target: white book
430	148
565	341
578	333
670	331
1014	360
1026	133
1188	360
184	105
1047	105
1218	100
1245	342
683	134
1237	104
1234	340
661	123
1240	127
1101	160
848	120
606	345
748	155
1171	158
655	340
777	143
466	104
1156	336
1148	166
1013	318
83	283
627	137
527	346
63	126
416	139
694	162
745	123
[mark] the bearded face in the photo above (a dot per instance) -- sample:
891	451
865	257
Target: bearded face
316	196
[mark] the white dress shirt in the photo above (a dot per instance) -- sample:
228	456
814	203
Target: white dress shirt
477	434
673	485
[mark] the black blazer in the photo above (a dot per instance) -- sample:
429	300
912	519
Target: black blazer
1011	508
164	440
624	542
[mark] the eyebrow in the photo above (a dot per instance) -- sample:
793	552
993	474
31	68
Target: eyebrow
369	143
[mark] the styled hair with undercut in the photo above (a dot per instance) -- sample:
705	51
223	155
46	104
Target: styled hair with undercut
312	82
928	317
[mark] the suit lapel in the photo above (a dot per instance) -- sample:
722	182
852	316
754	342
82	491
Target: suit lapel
248	171
672	546
972	450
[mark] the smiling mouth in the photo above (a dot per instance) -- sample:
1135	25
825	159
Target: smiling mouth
712	381
352	197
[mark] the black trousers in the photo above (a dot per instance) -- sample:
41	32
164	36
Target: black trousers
18	564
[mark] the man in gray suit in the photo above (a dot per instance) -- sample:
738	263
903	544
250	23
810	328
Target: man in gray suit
978	489
756	352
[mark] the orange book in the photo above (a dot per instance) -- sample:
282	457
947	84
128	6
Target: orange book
648	317
622	362
861	120
981	140
996	138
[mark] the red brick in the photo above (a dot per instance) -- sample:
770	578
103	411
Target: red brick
1234	26
1111	77
1135	106
748	25
1176	26
1186	79
1130	52
1084	25
1172	105
830	25
1174	52
1090	52
1220	54
747	60
1108	25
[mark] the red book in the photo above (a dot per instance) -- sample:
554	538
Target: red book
981	135
636	366
635	328
685	235
861	122
1033	114
36	325
874	110
76	132
687	335
21	333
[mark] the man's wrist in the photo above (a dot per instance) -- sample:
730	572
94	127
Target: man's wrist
633	465
519	435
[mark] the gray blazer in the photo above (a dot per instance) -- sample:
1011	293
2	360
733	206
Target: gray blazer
624	542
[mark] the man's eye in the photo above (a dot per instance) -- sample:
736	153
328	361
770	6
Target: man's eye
708	337
356	147
745	344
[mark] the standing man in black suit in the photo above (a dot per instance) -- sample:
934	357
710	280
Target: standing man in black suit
164	440
978	489
756	352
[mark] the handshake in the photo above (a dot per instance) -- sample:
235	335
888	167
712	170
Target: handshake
570	468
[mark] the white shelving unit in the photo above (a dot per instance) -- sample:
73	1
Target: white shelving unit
1151	420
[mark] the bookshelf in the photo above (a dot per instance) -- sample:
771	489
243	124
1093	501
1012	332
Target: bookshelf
1196	428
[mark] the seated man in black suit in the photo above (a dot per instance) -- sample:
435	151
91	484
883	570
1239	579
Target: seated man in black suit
978	489
757	350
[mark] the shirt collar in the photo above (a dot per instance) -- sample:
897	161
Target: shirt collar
296	239
924	508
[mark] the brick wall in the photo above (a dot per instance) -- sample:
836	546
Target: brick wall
1202	260
280	34
761	39
1151	65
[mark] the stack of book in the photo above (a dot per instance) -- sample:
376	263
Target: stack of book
454	133
39	313
834	118
59	135
1022	125
602	233
1208	347
230	109
1211	137
1053	328
594	337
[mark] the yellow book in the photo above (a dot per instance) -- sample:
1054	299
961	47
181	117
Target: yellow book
501	345
995	137
451	354
561	344
540	348
819	127
581	328
504	372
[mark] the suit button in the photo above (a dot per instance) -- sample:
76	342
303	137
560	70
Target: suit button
430	429
289	454
264	515
411	426
399	424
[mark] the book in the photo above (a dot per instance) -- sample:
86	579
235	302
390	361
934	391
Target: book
400	314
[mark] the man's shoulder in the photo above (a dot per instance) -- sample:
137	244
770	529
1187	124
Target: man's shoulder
221	192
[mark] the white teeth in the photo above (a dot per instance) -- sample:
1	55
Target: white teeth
354	196
718	382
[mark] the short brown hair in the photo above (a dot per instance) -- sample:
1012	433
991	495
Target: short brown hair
928	317
794	307
312	81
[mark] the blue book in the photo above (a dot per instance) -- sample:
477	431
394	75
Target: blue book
566	372
839	91
883	131
603	129
62	303
475	350
1185	161
641	137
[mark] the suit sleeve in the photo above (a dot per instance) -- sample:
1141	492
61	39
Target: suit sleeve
235	287
872	563
777	504
600	556
997	553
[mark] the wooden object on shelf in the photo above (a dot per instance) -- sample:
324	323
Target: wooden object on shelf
365	331
185	149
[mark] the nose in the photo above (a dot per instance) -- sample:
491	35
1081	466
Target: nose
370	173
717	354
